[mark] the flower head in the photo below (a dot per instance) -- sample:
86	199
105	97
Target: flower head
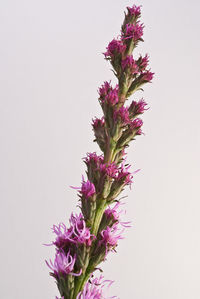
76	234
137	107
124	175
143	62
94	289
110	236
134	10
122	114
63	264
93	159
115	47
87	188
114	214
133	31
130	64
108	94
147	76
136	123
79	232
109	169
98	123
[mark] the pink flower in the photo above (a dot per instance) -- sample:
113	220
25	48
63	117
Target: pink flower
93	289
134	10
93	159
137	124
114	214
122	114
143	62
87	188
63	264
129	63
115	47
108	94
138	107
98	123
110	236
147	76
80	233
124	175
109	169
77	233
133	31
62	235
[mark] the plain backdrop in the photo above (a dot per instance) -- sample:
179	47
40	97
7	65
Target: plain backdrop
51	67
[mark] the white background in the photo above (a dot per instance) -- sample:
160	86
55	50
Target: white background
51	67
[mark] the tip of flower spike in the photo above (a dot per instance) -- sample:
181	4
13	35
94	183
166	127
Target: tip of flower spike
134	10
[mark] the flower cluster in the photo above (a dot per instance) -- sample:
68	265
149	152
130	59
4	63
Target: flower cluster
97	229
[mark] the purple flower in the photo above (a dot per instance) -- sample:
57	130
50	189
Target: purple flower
62	235
138	107
136	123
124	175
130	64
93	289
115	47
114	214
77	233
147	76
80	233
143	62
108	94
133	31
109	169
110	236
63	264
93	158
98	123
122	114
87	189
134	10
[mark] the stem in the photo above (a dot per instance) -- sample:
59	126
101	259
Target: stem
85	276
79	283
98	217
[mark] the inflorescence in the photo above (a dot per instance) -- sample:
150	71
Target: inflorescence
97	229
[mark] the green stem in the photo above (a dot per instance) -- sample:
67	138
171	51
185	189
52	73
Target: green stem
98	217
79	283
85	276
